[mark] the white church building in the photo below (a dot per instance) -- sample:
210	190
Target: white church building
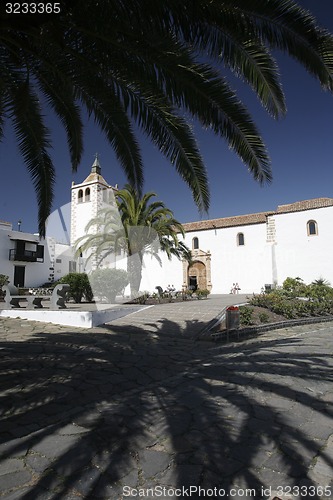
254	250
264	248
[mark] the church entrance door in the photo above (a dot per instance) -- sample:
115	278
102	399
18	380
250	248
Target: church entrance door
197	275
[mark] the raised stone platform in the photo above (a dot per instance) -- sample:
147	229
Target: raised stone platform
80	315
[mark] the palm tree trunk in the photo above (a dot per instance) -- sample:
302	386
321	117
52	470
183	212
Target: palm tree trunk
134	269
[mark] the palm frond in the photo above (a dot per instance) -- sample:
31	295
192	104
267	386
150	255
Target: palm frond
33	140
133	66
60	97
112	119
285	25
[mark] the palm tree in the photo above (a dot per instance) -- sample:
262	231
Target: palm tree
139	64
104	236
137	226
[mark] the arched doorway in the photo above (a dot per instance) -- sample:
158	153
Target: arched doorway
197	276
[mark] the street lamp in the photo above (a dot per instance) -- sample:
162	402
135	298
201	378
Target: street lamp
19	222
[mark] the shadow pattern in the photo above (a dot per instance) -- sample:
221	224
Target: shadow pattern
112	414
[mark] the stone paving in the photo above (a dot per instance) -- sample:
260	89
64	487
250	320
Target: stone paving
143	410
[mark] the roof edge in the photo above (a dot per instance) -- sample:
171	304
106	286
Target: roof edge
257	218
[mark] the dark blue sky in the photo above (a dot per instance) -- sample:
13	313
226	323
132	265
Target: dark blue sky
300	146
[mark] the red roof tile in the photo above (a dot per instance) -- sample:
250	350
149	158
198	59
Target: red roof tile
238	220
299	206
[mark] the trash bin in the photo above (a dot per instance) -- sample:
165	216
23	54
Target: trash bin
232	318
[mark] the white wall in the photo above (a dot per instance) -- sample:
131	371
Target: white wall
248	265
297	253
154	274
63	256
6	266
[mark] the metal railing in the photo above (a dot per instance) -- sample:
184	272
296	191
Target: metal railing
25	255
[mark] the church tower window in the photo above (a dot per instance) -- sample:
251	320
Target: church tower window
195	243
87	195
80	196
240	239
312	228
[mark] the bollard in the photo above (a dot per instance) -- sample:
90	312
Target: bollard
232	318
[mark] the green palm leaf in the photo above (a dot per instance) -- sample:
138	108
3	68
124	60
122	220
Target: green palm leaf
33	140
130	65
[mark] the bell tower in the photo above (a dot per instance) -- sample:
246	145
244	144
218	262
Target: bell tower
88	198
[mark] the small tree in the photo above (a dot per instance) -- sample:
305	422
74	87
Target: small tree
108	283
79	286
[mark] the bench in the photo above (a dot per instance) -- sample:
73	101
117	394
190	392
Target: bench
57	299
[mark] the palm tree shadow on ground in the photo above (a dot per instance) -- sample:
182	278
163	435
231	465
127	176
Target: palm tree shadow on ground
90	413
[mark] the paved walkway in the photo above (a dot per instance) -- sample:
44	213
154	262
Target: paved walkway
186	319
144	411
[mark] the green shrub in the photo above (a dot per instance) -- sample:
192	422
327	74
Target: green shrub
4	280
187	294
202	294
108	283
79	286
284	307
321	308
321	282
303	308
294	287
296	299
263	317
88	293
245	315
143	297
319	292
